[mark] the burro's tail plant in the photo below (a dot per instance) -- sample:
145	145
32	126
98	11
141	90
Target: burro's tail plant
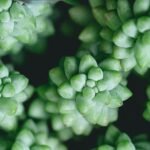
22	22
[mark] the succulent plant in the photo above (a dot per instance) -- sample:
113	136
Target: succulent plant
114	139
146	113
14	90
84	91
22	23
35	136
65	118
97	90
121	28
9	121
32	136
117	140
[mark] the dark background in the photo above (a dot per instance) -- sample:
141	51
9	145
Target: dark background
36	68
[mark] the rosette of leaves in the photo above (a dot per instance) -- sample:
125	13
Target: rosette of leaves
31	136
21	22
121	27
116	140
14	90
65	118
98	90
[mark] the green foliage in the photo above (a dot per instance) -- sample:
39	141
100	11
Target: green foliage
32	136
65	118
14	91
122	31
22	23
85	90
96	89
116	140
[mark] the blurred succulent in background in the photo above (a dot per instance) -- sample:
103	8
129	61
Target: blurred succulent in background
32	136
117	140
146	113
9	120
23	23
65	118
35	136
14	91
